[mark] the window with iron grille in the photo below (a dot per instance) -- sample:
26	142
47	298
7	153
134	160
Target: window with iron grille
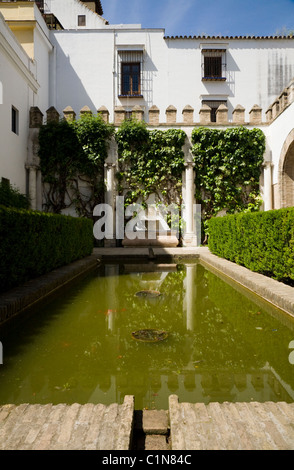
130	73
214	104
214	64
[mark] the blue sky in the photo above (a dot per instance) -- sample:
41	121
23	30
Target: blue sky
208	17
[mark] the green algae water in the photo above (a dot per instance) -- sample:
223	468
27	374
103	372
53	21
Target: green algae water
219	343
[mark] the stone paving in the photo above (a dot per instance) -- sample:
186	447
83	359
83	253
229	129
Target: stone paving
185	426
231	426
67	427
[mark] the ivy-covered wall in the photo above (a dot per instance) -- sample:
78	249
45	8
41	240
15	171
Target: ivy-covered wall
72	156
227	169
150	161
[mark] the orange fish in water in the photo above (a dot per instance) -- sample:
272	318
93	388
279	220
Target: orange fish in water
110	310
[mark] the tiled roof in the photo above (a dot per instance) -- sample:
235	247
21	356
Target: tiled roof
98	6
100	9
229	37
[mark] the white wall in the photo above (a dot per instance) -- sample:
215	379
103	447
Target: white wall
257	72
83	73
276	135
19	88
42	51
67	11
86	74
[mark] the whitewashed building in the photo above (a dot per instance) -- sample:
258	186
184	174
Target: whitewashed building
25	48
79	60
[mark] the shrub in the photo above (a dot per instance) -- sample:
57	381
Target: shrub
12	197
261	241
33	243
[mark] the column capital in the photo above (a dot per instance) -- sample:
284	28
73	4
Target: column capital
267	164
32	166
189	164
109	165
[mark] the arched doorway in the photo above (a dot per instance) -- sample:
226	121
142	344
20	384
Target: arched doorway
286	172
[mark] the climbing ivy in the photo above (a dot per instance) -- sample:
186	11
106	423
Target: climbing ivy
72	156
150	162
227	169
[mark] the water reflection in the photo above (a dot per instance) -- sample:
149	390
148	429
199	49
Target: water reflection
222	346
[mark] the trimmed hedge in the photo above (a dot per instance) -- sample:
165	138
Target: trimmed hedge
260	241
33	243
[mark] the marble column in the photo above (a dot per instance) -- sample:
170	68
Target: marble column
189	238
267	189
110	196
33	170
32	161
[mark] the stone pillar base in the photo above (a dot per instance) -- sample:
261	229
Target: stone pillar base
170	241
190	240
109	243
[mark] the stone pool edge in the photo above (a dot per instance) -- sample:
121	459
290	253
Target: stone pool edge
19	299
25	296
276	293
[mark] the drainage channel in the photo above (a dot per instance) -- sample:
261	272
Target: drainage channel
151	430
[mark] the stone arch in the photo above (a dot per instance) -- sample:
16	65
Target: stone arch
286	172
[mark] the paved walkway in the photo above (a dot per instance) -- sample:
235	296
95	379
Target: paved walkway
186	426
67	427
231	426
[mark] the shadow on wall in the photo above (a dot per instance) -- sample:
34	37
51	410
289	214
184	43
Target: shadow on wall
74	90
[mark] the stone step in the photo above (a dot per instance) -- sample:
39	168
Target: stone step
151	430
155	422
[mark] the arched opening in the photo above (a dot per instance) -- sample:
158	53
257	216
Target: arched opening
286	172
288	177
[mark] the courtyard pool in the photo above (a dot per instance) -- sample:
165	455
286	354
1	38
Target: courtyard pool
218	343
